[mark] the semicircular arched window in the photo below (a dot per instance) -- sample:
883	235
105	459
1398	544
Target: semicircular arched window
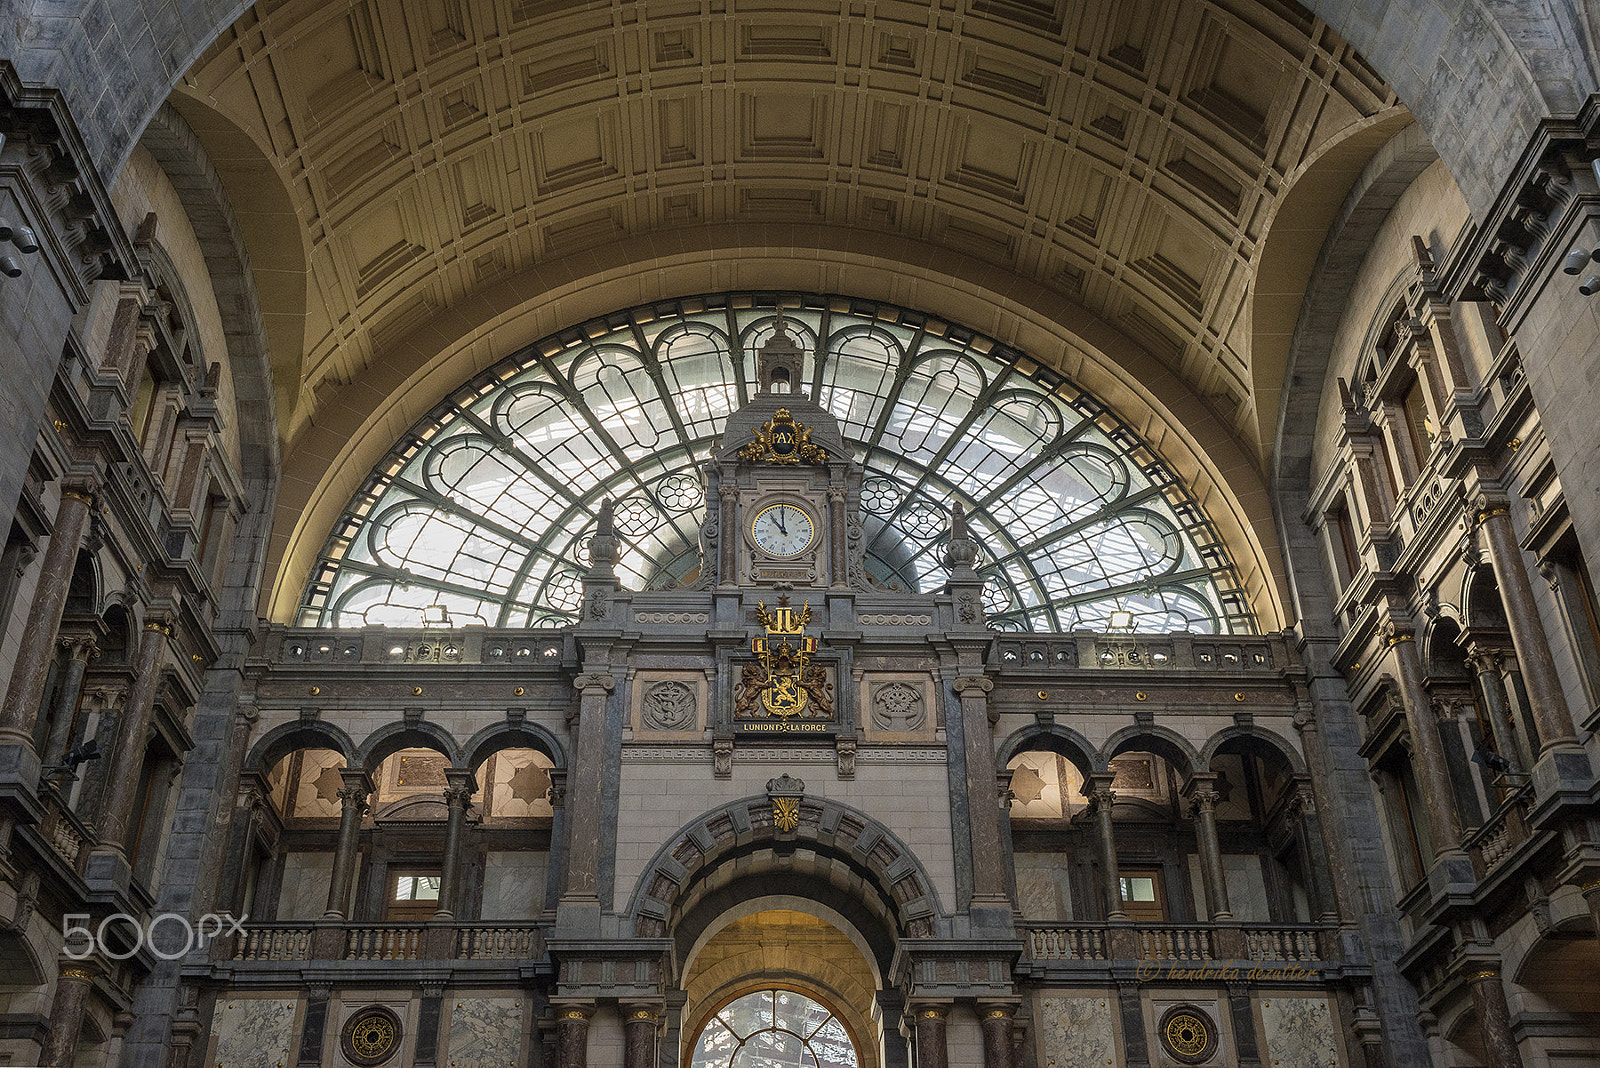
482	513
774	1028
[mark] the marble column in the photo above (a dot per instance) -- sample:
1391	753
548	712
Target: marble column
639	1036
353	797
1485	663
125	762
66	1016
1097	788
35	653
983	809
572	1037
997	1028
1432	773
80	649
1551	716
931	1049
1321	898
583	814
457	799
1494	1018
1203	797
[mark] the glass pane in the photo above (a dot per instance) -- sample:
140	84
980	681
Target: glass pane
1138	888
404	888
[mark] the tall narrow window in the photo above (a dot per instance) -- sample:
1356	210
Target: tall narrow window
1418	422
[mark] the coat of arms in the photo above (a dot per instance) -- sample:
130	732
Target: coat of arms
783	682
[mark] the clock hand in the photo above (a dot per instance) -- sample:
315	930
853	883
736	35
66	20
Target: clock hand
777	515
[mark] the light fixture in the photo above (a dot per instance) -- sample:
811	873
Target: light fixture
1591	285
1121	619
1576	261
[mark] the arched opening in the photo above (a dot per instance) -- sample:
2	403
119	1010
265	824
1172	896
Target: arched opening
774	1026
819	982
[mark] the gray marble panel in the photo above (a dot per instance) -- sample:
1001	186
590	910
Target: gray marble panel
1247	888
253	1032
1299	1032
1042	889
484	1033
513	885
1078	1032
306	878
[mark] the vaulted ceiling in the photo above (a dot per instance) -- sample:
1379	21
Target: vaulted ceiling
1128	156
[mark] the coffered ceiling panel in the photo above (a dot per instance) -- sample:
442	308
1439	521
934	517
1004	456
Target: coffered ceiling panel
1129	155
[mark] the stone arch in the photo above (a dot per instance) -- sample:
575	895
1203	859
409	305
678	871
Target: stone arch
393	737
284	739
1272	740
1163	741
1055	738
497	736
846	847
1480	600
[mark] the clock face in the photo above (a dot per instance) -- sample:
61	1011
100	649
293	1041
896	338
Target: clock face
783	530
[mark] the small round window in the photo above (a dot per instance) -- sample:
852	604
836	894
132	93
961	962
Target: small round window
774	1029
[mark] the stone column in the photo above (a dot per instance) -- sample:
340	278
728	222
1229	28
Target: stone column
35	651
80	649
583	814
997	1027
125	763
983	810
1485	663
457	799
1308	836
1097	788
1433	774
931	1049
66	1016
639	1036
572	1036
1551	716
1494	1017
1204	797
353	805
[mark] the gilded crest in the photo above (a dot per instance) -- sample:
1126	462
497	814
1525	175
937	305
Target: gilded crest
786	813
781	440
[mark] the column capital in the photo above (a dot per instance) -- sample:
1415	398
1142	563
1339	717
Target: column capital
1397	632
79	646
459	791
594	680
980	684
1097	788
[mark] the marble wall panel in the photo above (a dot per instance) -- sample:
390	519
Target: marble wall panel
1043	890
1247	888
1077	1032
484	1032
304	892
513	885
1299	1032
253	1032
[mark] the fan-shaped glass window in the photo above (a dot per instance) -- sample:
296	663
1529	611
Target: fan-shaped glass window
482	513
774	1029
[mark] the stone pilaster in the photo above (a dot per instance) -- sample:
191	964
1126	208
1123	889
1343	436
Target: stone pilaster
988	859
80	649
1097	788
579	908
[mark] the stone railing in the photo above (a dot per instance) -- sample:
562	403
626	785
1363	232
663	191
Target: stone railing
66	834
1174	943
1494	841
267	942
1197	943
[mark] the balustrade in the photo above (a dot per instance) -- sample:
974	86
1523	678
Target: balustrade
391	941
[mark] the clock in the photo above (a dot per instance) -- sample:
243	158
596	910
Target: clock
783	530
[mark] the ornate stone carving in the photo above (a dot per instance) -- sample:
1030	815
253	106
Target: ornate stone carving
898	706
669	706
722	758
845	757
